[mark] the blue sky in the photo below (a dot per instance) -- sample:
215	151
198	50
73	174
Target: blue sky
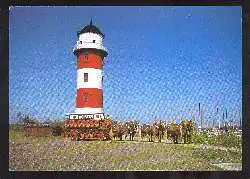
162	61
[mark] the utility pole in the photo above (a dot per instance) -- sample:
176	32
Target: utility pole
200	114
223	122
226	122
240	119
226	117
217	117
213	123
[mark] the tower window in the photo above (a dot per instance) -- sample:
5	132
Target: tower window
85	97
86	77
80	42
85	58
93	41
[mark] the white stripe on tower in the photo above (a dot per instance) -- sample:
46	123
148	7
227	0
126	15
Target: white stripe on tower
88	110
94	78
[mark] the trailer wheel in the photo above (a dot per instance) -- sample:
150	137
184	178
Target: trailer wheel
77	137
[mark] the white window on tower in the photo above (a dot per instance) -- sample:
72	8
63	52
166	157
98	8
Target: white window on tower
93	41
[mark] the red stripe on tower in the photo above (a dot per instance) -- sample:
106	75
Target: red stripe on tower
89	97
89	60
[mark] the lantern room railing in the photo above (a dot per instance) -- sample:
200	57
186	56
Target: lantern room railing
79	45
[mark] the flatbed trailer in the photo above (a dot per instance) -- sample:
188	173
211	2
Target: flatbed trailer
90	129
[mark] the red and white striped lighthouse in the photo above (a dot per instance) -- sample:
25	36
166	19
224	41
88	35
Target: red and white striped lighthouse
90	54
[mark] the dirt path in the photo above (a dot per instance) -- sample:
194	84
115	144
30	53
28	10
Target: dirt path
205	146
229	166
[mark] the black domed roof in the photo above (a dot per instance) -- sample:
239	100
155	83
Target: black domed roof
90	28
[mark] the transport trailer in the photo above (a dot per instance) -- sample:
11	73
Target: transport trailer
88	129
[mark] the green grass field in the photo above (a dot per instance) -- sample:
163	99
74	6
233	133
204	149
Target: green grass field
58	153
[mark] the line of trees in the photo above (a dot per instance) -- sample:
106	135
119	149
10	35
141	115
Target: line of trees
23	119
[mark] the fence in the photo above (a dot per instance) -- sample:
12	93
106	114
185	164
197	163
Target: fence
38	131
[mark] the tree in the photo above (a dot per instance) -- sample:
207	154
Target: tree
24	119
48	121
20	117
56	123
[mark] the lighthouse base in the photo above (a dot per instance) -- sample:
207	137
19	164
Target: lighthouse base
96	116
88	127
88	110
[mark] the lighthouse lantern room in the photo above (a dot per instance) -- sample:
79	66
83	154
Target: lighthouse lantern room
90	54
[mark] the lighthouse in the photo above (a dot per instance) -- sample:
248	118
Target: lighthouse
90	54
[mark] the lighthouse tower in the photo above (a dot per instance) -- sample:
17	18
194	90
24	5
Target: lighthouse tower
90	54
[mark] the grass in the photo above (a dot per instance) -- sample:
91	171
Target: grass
58	153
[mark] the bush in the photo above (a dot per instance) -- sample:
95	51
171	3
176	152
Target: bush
16	127
13	135
227	139
199	138
57	130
